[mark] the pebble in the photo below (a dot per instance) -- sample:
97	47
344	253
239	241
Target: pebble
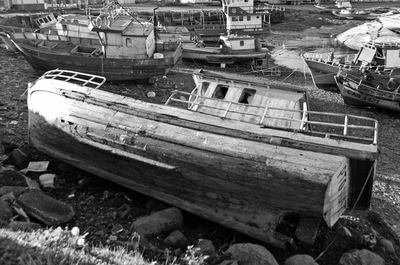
205	247
158	222
387	246
176	239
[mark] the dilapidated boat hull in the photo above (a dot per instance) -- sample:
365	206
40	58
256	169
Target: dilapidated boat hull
113	69
228	171
323	74
353	96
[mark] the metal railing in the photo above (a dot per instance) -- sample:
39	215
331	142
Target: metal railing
82	79
351	127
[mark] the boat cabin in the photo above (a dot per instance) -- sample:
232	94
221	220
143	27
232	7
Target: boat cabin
74	26
241	14
125	38
386	55
238	43
248	101
45	21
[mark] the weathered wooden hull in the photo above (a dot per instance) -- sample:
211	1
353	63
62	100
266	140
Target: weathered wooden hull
215	56
201	163
353	96
323	74
112	69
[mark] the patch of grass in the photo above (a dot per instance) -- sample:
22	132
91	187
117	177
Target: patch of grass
58	247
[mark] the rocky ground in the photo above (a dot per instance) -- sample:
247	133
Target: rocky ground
110	214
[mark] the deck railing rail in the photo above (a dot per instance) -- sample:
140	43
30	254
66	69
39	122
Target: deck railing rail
324	124
82	79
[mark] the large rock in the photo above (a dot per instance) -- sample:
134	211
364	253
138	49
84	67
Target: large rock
251	254
45	209
11	181
6	211
158	222
300	260
361	257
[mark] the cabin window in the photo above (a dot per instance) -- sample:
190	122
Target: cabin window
248	18
204	88
247	96
246	1
220	92
45	19
242	43
64	27
257	17
234	19
240	18
129	42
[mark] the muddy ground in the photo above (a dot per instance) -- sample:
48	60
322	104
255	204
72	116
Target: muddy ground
101	205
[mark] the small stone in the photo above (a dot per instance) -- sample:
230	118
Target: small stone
75	231
6	211
45	209
113	238
361	257
11	181
20	156
251	254
205	247
159	222
300	260
151	94
387	246
176	240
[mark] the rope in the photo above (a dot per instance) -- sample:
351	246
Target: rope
351	211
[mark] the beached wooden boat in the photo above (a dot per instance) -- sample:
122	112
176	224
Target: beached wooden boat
240	151
128	51
232	49
324	67
350	13
369	89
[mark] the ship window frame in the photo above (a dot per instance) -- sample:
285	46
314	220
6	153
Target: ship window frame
241	43
240	18
219	92
248	18
234	18
247	96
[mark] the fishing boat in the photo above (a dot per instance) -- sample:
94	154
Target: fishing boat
367	88
350	13
324	66
232	49
238	150
128	50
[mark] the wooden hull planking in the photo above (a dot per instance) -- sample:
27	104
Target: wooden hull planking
214	55
352	96
112	69
202	172
322	74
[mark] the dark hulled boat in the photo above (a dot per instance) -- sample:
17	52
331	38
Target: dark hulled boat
128	51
